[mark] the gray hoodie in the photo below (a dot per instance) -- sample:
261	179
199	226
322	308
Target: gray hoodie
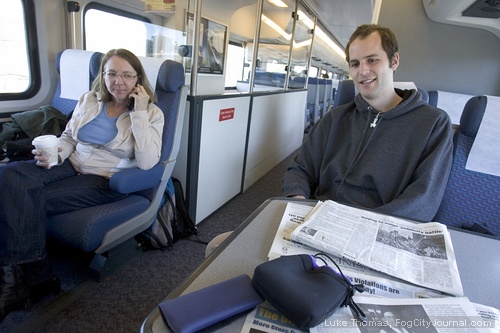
396	162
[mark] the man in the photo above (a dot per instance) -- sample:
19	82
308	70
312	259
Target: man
387	150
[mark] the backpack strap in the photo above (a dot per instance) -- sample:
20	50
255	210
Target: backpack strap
180	205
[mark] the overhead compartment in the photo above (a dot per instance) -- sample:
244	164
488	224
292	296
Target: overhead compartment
482	14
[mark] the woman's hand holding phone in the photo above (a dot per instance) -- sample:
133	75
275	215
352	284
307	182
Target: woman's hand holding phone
140	97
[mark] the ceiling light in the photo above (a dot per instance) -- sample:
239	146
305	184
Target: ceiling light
323	36
278	3
276	27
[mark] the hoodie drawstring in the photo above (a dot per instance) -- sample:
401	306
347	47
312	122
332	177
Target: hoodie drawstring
358	154
372	125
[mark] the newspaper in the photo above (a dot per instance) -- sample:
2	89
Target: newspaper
451	314
265	318
489	313
384	315
420	253
375	282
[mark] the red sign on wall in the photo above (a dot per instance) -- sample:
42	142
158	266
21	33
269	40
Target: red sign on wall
226	114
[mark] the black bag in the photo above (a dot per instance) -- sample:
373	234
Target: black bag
172	222
304	292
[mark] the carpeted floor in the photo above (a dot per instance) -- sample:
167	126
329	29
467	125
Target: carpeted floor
122	301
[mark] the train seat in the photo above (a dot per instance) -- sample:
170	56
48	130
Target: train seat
108	230
471	199
328	94
344	93
278	79
297	82
67	102
451	102
312	100
425	94
321	100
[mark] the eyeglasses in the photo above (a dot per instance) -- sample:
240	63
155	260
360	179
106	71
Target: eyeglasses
124	76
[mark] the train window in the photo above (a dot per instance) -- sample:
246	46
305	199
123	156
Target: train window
313	71
285	38
19	69
274	44
131	34
134	33
301	48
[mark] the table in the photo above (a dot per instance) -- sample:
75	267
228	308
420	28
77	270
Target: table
477	256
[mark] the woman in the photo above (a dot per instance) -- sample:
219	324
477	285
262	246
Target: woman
115	126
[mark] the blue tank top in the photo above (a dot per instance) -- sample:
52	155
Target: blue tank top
100	130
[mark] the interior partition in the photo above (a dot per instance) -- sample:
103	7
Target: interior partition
230	141
276	130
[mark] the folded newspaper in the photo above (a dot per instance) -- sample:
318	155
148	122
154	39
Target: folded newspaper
380	251
449	314
384	315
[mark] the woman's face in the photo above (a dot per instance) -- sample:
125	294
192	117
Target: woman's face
120	78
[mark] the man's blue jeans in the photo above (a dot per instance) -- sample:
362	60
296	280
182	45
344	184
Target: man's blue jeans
29	193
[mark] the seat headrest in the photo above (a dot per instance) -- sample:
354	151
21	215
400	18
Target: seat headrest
170	76
164	75
424	93
79	64
94	65
313	80
346	92
405	85
472	115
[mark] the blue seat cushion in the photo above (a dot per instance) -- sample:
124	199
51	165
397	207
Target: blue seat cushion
133	180
470	197
85	229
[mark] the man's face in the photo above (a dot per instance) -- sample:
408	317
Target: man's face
370	68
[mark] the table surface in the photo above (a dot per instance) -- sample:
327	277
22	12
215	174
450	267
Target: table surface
477	256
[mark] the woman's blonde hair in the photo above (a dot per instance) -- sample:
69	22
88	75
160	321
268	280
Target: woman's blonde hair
99	85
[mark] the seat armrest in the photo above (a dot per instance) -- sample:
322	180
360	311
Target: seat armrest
133	180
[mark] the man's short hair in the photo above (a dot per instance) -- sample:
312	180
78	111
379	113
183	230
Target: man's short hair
389	41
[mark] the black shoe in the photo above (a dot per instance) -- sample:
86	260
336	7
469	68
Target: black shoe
42	289
15	292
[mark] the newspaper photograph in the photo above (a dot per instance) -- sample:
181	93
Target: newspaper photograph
384	315
375	282
420	253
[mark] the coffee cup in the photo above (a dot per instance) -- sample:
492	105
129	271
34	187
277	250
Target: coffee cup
48	145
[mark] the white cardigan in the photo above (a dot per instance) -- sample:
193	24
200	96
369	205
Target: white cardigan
137	144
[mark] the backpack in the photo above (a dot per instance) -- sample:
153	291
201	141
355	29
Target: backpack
172	221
